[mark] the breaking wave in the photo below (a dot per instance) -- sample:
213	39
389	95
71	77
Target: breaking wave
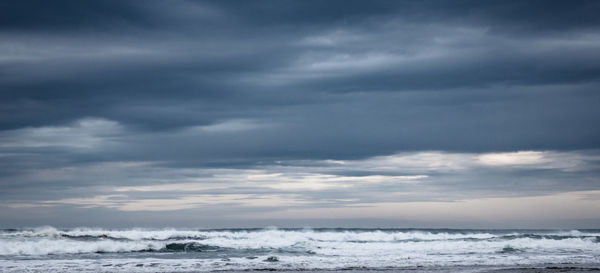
300	248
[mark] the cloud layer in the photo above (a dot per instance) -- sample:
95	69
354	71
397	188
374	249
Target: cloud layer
119	107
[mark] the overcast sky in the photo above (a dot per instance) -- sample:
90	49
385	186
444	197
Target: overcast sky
300	113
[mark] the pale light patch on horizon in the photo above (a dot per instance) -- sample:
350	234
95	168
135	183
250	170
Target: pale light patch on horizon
283	181
419	162
513	158
562	206
437	161
328	181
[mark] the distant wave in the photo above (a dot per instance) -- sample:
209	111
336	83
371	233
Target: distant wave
316	234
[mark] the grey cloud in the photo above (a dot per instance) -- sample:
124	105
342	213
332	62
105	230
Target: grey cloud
226	87
425	176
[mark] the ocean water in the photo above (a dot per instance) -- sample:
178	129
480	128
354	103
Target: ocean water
47	249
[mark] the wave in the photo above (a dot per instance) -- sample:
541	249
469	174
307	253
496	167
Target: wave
48	246
91	233
53	247
189	247
358	235
325	242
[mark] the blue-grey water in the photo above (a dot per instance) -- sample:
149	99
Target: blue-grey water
47	249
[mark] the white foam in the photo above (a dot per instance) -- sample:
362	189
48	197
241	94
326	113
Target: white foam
52	246
141	234
328	249
130	234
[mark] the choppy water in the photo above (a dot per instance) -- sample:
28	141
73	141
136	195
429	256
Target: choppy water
171	250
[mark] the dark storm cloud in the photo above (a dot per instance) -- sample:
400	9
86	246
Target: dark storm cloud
158	66
105	94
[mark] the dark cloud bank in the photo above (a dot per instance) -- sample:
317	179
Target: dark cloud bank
97	95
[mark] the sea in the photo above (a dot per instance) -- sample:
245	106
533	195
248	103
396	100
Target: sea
48	249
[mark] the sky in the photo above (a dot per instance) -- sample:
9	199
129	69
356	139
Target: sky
458	114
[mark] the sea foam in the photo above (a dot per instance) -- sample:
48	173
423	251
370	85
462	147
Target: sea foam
182	249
